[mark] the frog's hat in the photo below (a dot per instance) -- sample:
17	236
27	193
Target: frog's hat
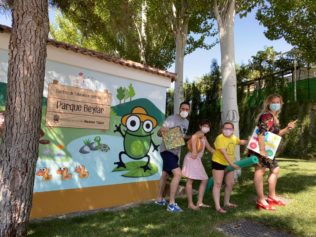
142	114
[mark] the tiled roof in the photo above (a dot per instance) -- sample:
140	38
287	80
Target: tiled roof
102	56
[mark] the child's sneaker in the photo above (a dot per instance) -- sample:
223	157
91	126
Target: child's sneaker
174	208
163	202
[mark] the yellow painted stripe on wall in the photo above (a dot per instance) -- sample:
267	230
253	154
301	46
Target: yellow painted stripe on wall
76	200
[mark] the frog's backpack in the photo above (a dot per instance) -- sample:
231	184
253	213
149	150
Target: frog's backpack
199	145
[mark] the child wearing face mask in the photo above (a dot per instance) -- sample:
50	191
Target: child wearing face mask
268	121
193	168
224	156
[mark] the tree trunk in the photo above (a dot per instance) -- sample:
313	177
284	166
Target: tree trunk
181	38
180	28
141	31
19	151
229	82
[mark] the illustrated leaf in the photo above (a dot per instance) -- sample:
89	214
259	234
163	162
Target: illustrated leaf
135	170
139	172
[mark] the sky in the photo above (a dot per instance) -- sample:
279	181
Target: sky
249	39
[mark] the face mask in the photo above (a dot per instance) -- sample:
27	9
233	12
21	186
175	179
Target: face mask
184	114
205	130
275	107
228	132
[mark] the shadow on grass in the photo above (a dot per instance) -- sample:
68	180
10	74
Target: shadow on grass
146	220
296	182
282	222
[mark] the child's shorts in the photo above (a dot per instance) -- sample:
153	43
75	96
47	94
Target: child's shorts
265	162
170	161
218	166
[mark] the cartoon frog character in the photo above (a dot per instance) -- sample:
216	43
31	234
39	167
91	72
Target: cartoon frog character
137	137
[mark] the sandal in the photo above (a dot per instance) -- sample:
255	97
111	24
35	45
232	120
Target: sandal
273	201
268	207
203	205
221	210
231	205
194	208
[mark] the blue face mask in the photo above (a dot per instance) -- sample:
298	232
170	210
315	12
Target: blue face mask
275	107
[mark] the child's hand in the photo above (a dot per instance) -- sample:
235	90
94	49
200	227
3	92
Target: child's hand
263	153
193	156
163	129
236	167
291	124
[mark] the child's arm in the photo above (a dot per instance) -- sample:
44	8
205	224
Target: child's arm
243	142
187	137
208	147
290	126
262	149
194	141
224	152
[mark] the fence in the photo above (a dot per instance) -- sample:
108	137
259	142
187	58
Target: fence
281	83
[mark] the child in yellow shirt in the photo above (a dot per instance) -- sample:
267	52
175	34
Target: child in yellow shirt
224	156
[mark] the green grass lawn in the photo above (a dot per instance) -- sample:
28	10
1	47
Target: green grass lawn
297	183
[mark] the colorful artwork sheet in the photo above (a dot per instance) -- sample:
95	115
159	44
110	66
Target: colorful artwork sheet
271	141
173	138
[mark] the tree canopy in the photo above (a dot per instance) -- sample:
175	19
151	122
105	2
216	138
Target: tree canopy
142	31
293	20
127	29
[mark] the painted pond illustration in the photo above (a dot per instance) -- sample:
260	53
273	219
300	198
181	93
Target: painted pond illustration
98	164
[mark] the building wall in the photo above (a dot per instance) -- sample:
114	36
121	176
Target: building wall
76	169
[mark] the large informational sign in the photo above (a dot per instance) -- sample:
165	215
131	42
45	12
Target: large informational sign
271	143
73	107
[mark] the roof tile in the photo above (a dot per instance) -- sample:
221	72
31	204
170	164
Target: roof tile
102	56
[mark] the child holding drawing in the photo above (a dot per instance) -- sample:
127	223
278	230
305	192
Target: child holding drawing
268	121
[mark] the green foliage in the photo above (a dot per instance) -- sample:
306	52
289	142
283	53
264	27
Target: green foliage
200	25
131	91
195	108
87	142
68	31
3	94
210	90
169	102
120	94
122	28
141	31
204	96
243	7
295	21
301	141
126	94
134	170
